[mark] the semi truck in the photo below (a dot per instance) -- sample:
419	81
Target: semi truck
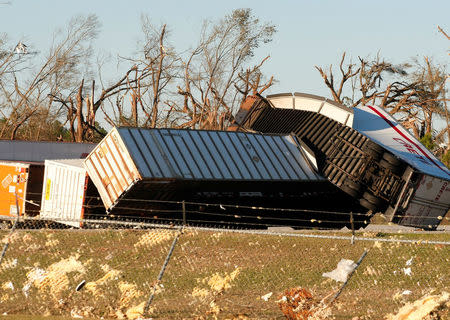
363	151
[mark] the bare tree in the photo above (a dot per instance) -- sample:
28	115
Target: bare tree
413	93
214	69
57	74
148	86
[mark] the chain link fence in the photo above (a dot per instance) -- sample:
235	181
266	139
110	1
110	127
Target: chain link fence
121	266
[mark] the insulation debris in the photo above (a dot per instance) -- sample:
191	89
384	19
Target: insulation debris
55	277
109	275
343	269
421	308
220	283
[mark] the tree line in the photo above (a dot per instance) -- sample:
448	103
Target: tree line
62	94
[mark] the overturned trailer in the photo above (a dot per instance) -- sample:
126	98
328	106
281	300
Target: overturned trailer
147	171
363	151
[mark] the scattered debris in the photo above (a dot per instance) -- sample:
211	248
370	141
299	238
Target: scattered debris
110	275
267	296
421	308
220	283
407	271
8	285
299	304
343	269
55	277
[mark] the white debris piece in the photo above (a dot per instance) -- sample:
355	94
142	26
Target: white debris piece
407	271
267	296
406	292
8	285
343	269
409	262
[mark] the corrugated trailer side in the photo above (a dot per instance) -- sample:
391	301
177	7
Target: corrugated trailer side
22	178
128	155
67	192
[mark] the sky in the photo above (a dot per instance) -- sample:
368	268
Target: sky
309	32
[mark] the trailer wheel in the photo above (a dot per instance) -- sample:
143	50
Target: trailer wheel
352	192
373	150
391	159
368	205
352	188
387	165
372	199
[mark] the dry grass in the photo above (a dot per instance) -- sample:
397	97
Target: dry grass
211	275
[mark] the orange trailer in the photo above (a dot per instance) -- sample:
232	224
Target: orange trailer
25	180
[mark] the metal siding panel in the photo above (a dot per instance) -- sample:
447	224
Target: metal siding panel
216	154
260	155
197	155
186	153
276	161
160	157
269	156
112	186
236	155
297	161
177	157
224	154
147	153
205	153
125	156
176	170
247	152
122	171
136	148
280	157
39	151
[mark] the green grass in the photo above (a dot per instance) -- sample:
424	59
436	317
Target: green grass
267	263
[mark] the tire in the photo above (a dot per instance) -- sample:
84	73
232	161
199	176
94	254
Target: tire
354	185
368	205
372	199
391	159
387	165
352	188
373	150
352	192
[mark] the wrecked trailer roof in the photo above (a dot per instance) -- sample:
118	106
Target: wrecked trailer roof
129	155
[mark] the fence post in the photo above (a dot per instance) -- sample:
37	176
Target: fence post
5	247
352	224
183	204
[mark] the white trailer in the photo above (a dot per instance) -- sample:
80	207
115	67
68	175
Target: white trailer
67	192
